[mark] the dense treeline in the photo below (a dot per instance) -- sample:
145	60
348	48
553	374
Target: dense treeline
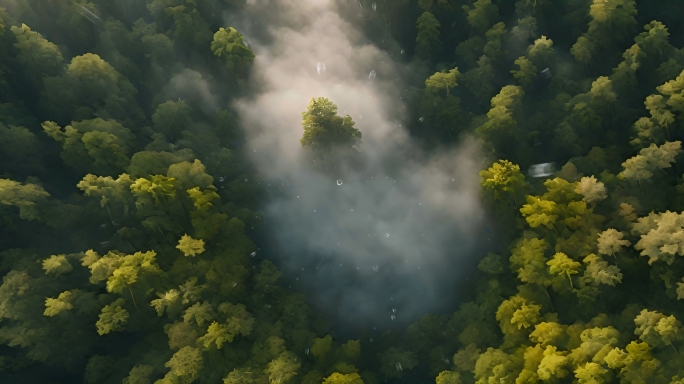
569	296
127	202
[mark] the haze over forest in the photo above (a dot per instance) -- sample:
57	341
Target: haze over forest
341	191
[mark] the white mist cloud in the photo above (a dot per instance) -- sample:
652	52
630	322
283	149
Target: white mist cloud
388	244
189	85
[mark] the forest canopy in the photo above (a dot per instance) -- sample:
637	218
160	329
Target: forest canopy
128	211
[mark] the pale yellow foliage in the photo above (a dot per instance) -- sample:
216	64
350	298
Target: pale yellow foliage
57	265
190	246
54	306
592	189
610	241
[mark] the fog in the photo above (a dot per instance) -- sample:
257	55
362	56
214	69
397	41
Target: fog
379	245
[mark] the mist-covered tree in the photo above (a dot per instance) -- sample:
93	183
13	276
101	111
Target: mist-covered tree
324	129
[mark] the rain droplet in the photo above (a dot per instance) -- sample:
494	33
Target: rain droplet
221	179
234	283
421	119
320	67
314	211
253	254
386	234
374	6
394	310
398	365
339	182
452	179
306	351
393	317
372	74
376	268
402	51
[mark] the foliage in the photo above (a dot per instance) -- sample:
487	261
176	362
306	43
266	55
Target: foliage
324	129
228	43
129	207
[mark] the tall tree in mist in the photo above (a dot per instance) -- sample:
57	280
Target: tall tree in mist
324	129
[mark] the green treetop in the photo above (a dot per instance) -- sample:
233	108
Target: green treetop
158	187
427	42
503	178
27	197
338	378
228	44
443	80
657	329
650	160
112	318
283	368
483	15
541	52
324	129
97	145
36	53
526	72
190	246
561	264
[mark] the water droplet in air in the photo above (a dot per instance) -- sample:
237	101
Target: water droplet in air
398	365
402	51
320	67
339	182
234	283
393	317
394	310
374	6
372	74
221	179
386	234
421	119
452	179
376	268
314	211
306	351
253	254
